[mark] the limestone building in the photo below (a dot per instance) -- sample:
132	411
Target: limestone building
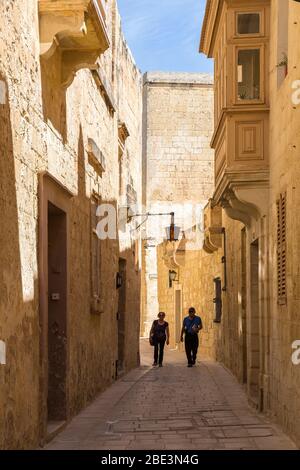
177	176
256	140
70	143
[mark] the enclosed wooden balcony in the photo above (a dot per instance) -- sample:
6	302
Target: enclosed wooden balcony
241	146
237	36
213	229
77	29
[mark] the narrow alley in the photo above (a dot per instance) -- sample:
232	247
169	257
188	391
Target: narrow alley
203	408
149	170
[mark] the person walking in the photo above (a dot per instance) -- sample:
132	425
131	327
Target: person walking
159	335
190	328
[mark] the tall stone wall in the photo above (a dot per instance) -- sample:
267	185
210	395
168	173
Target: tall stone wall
46	129
284	179
177	164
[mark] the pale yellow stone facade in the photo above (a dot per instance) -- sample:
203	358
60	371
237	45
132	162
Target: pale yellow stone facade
256	182
284	179
177	168
68	135
79	126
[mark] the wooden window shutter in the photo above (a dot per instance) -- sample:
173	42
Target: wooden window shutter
281	250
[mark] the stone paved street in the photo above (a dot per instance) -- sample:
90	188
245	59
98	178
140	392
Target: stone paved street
172	408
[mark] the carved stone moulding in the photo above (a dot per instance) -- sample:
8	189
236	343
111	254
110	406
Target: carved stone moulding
77	29
123	132
212	227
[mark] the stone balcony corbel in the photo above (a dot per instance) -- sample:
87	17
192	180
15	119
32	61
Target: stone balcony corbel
123	133
246	202
105	89
174	253
234	213
77	29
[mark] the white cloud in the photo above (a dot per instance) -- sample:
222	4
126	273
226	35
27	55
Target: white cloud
164	34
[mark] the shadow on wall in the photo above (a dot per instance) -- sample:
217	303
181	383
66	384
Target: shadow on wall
18	322
53	94
93	340
97	333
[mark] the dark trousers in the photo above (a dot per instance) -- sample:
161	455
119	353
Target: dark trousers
159	345
191	347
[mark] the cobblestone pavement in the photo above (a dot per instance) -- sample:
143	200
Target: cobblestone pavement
172	408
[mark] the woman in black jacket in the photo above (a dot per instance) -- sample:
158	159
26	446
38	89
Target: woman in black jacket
159	335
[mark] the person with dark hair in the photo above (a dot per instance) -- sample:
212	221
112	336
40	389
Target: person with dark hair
159	335
190	328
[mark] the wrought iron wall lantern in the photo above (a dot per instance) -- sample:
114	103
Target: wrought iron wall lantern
172	278
172	232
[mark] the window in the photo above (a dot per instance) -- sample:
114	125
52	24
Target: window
248	23
281	249
95	259
248	74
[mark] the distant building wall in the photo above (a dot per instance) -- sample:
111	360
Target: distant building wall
177	162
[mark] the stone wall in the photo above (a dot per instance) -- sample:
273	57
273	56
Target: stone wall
278	326
46	129
261	318
177	163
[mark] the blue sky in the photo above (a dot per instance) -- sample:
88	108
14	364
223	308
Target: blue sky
164	34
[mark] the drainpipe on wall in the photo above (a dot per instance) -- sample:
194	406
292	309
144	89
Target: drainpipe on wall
224	261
